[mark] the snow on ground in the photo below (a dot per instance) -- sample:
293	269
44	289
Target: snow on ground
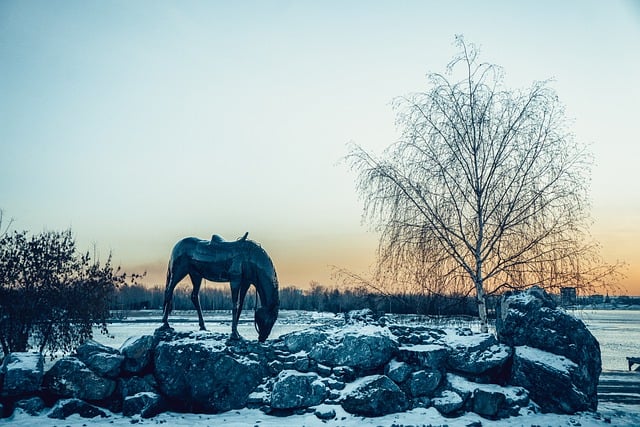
619	415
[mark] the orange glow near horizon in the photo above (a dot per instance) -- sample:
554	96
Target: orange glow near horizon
301	263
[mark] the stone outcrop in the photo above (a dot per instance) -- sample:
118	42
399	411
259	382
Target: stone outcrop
66	407
293	390
199	372
374	396
533	319
137	352
21	374
70	377
550	378
363	349
101	359
369	368
147	404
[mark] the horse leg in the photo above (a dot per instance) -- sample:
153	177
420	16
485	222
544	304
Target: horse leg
235	312
173	277
167	306
196	280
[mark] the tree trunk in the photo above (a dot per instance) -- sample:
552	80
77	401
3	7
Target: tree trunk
482	307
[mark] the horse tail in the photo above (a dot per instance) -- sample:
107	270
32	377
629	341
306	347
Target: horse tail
168	274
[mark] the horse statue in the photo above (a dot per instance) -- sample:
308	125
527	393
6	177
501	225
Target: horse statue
242	263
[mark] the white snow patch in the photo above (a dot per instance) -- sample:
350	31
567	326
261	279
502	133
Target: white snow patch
554	361
423	347
24	361
366	330
522	297
292	372
464	385
447	397
395	364
359	382
454	340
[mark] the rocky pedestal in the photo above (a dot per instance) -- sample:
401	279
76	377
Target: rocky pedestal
369	368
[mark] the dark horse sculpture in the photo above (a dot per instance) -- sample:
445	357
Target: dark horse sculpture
242	263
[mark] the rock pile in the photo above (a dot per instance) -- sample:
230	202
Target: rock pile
542	358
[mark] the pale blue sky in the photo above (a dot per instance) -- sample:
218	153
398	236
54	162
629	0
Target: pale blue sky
140	122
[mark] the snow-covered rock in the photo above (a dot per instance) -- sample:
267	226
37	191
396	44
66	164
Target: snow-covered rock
360	347
145	404
365	315
532	319
424	356
66	407
293	390
397	371
476	354
550	380
70	377
137	352
514	397
103	360
423	383
303	340
21	373
447	402
373	396
200	372
32	406
133	385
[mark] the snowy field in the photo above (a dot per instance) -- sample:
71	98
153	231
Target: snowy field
617	331
610	415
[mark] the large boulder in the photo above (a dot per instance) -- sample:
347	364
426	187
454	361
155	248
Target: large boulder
293	390
447	402
145	404
70	377
531	318
550	379
137	352
134	385
477	354
489	400
32	405
362	348
423	383
424	356
397	371
103	360
66	407
21	374
374	396
303	340
200	373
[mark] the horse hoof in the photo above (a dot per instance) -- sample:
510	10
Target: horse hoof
235	337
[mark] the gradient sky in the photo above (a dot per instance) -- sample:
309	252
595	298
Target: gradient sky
137	123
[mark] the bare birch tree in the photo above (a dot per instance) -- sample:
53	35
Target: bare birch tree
486	187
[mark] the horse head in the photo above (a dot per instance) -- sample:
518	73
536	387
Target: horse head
264	318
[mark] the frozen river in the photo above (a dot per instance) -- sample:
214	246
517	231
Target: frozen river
618	331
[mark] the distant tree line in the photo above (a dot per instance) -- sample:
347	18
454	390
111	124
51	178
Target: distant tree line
316	298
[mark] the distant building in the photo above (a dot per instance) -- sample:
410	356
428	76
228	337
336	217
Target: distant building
568	296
